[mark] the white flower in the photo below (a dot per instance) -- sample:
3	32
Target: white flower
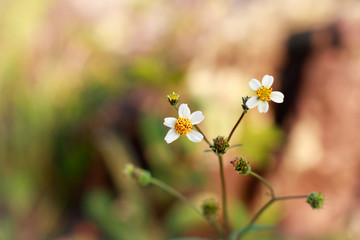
264	93
184	125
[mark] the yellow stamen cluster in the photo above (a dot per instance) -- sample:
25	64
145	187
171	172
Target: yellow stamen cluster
183	126
264	93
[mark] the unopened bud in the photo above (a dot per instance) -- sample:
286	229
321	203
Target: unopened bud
142	176
316	200
244	106
209	207
173	98
241	166
220	145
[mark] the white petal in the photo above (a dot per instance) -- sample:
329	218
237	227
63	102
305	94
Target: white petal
184	111
171	136
267	81
263	106
254	84
195	136
277	97
170	122
196	117
252	102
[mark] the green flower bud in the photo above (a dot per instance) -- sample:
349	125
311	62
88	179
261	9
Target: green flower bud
220	145
142	176
209	207
244	106
241	166
129	169
173	98
316	200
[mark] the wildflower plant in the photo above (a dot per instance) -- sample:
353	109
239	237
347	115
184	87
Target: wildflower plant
187	124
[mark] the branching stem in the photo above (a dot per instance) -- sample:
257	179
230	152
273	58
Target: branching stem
271	201
181	197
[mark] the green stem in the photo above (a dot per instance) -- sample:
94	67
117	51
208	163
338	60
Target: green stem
272	200
206	140
236	124
223	193
178	195
252	221
264	182
290	197
216	225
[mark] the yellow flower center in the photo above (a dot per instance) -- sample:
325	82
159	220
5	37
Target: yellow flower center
183	126
264	93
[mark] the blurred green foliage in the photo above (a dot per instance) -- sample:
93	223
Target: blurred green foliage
63	140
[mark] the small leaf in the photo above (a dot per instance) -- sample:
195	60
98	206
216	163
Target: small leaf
235	145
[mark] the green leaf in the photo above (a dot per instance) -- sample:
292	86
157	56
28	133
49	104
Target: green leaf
235	145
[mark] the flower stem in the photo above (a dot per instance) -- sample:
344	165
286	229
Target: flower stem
223	189
271	201
267	184
178	195
252	221
236	124
206	140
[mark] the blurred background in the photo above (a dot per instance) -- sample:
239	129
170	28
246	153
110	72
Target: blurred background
83	87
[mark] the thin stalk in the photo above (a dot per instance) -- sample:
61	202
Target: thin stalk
290	197
236	124
271	201
267	184
223	193
217	226
206	140
178	195
252	221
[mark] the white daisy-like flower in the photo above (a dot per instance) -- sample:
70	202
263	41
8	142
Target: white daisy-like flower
184	125
264	93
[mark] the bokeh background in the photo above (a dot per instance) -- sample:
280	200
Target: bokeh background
83	87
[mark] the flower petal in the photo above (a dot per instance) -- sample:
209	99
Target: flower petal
252	102
171	136
184	111
263	106
170	122
254	84
267	81
195	136
277	97
196	117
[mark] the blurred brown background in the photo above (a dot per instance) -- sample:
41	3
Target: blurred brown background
83	87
